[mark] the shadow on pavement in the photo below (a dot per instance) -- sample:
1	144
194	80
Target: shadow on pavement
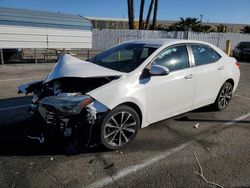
14	101
14	140
16	124
185	118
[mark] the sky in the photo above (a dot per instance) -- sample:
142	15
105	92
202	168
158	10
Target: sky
218	11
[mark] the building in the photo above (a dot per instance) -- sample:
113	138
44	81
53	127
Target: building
122	23
23	28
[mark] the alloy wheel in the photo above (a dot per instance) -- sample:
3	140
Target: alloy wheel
120	128
225	96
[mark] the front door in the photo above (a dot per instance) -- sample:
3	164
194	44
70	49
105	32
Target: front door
171	94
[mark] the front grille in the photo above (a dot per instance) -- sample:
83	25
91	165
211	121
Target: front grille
48	113
50	117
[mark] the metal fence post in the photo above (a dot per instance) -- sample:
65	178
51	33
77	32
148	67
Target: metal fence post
118	40
88	54
35	54
218	40
2	60
228	47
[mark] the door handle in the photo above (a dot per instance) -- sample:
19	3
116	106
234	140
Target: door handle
189	76
221	68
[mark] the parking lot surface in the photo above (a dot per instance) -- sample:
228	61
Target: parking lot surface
162	155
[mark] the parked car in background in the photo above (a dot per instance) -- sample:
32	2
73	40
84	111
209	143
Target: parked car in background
131	86
242	51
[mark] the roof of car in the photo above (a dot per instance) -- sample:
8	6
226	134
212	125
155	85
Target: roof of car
162	41
158	42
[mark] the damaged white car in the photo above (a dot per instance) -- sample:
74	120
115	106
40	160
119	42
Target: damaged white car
132	85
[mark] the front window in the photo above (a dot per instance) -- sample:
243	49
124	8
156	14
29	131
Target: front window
174	58
124	58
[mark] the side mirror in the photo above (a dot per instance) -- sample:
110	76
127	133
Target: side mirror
158	70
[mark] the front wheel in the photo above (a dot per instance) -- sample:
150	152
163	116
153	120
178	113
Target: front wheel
224	96
119	127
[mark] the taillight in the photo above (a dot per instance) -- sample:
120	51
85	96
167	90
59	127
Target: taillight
237	64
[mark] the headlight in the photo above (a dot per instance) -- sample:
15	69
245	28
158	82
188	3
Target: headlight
68	103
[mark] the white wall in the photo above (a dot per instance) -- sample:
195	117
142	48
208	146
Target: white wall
103	39
38	37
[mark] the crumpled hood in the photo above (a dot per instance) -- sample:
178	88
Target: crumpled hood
69	66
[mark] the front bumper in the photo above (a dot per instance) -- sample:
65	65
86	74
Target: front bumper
69	123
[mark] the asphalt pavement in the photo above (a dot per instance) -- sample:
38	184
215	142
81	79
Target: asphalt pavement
170	153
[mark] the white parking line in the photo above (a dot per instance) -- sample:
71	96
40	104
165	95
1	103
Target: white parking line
14	107
15	79
242	96
238	119
148	162
132	169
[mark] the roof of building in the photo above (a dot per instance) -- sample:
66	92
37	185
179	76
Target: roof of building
160	21
25	17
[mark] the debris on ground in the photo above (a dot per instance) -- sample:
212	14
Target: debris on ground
40	139
91	161
196	126
32	163
120	152
202	175
51	158
108	166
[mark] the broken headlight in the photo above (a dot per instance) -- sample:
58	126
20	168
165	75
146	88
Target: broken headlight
68	102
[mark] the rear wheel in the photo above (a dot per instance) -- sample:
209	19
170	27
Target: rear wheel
119	127
224	96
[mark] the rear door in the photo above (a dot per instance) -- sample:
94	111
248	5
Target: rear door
210	72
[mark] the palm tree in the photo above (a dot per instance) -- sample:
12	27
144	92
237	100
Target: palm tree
131	14
149	13
188	24
246	29
155	14
141	14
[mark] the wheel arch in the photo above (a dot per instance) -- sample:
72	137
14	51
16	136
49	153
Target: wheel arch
231	81
136	108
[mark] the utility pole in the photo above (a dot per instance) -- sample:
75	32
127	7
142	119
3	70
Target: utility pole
201	17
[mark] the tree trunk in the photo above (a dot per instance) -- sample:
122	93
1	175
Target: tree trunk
131	14
155	14
149	13
141	14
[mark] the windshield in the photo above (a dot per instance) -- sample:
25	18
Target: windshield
124	58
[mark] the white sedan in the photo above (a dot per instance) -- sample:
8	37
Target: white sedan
131	86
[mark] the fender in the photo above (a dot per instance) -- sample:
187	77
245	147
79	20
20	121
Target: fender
29	87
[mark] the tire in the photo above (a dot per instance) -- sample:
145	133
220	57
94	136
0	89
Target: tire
224	97
119	127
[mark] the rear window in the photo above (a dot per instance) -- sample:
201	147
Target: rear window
203	54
